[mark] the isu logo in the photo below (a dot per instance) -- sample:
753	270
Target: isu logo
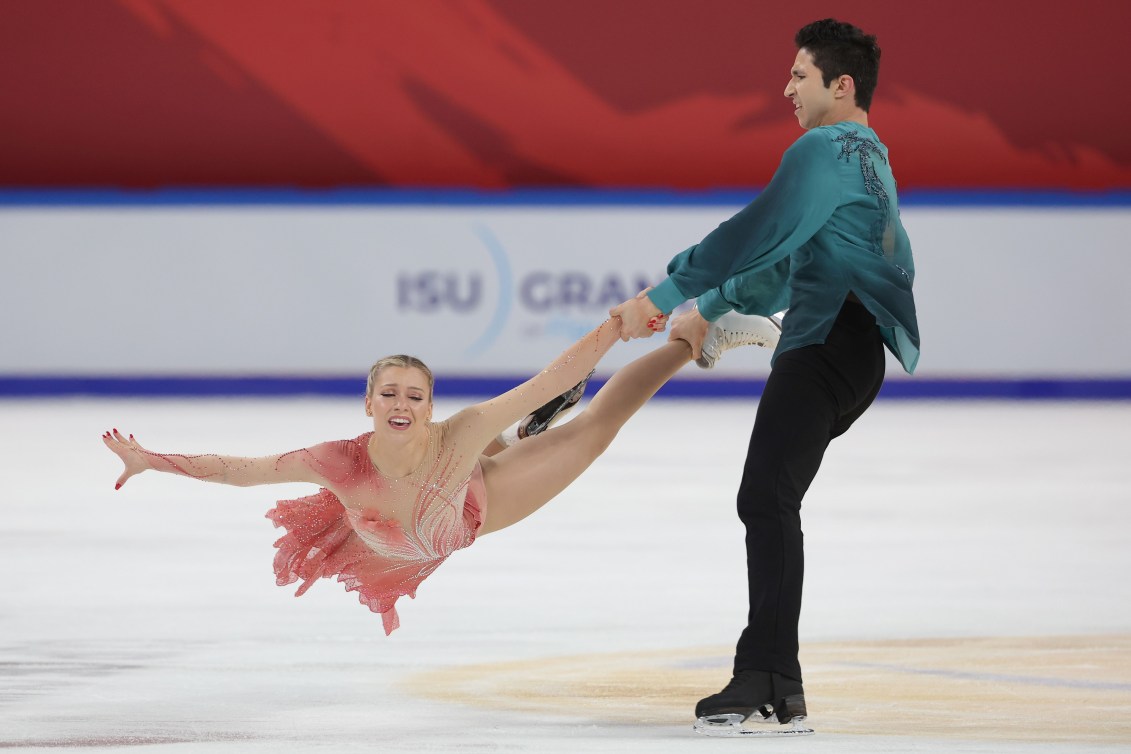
491	296
538	292
433	291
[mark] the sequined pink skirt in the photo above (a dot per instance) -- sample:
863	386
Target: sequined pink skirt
320	543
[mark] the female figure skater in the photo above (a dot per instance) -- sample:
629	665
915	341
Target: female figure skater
398	500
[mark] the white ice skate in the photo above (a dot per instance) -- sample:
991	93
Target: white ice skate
732	330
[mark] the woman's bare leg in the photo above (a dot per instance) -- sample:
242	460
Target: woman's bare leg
526	476
494	448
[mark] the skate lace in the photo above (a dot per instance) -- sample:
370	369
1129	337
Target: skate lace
726	338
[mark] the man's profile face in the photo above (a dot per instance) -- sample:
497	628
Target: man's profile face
812	100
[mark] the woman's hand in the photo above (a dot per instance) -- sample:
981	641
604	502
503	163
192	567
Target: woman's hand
690	326
639	317
135	457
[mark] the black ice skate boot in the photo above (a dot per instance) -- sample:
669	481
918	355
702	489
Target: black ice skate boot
774	697
546	416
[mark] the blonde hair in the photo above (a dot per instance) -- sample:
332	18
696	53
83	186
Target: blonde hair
399	360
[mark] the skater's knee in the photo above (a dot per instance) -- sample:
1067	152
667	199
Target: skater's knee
768	506
592	435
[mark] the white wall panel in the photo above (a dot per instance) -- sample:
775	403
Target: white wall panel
482	290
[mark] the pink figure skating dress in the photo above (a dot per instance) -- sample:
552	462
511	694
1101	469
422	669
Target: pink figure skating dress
379	536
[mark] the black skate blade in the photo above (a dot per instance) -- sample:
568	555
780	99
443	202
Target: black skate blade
730	726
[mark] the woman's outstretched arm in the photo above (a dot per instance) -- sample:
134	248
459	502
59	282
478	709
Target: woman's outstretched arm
483	421
234	470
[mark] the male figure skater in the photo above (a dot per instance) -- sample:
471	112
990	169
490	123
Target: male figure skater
823	240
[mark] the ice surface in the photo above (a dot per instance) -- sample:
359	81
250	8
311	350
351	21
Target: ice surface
967	590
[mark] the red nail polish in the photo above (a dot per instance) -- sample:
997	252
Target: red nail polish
117	486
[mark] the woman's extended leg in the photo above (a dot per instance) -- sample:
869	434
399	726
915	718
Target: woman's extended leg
526	476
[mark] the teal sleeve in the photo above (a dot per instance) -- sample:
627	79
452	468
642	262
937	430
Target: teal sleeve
799	200
764	292
713	304
666	296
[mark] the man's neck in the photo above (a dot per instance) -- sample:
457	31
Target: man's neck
855	115
851	114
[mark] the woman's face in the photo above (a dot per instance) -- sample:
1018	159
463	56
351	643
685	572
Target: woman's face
401	400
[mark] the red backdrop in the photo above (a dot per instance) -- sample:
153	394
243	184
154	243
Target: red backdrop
501	93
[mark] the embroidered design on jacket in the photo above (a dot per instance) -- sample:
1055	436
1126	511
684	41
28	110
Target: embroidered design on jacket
883	238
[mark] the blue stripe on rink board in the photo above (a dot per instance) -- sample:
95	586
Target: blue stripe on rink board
378	197
259	386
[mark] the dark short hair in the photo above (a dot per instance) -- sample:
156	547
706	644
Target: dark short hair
841	49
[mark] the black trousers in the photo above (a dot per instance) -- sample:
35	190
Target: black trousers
813	394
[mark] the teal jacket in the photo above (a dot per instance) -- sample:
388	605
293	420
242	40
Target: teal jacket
826	225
